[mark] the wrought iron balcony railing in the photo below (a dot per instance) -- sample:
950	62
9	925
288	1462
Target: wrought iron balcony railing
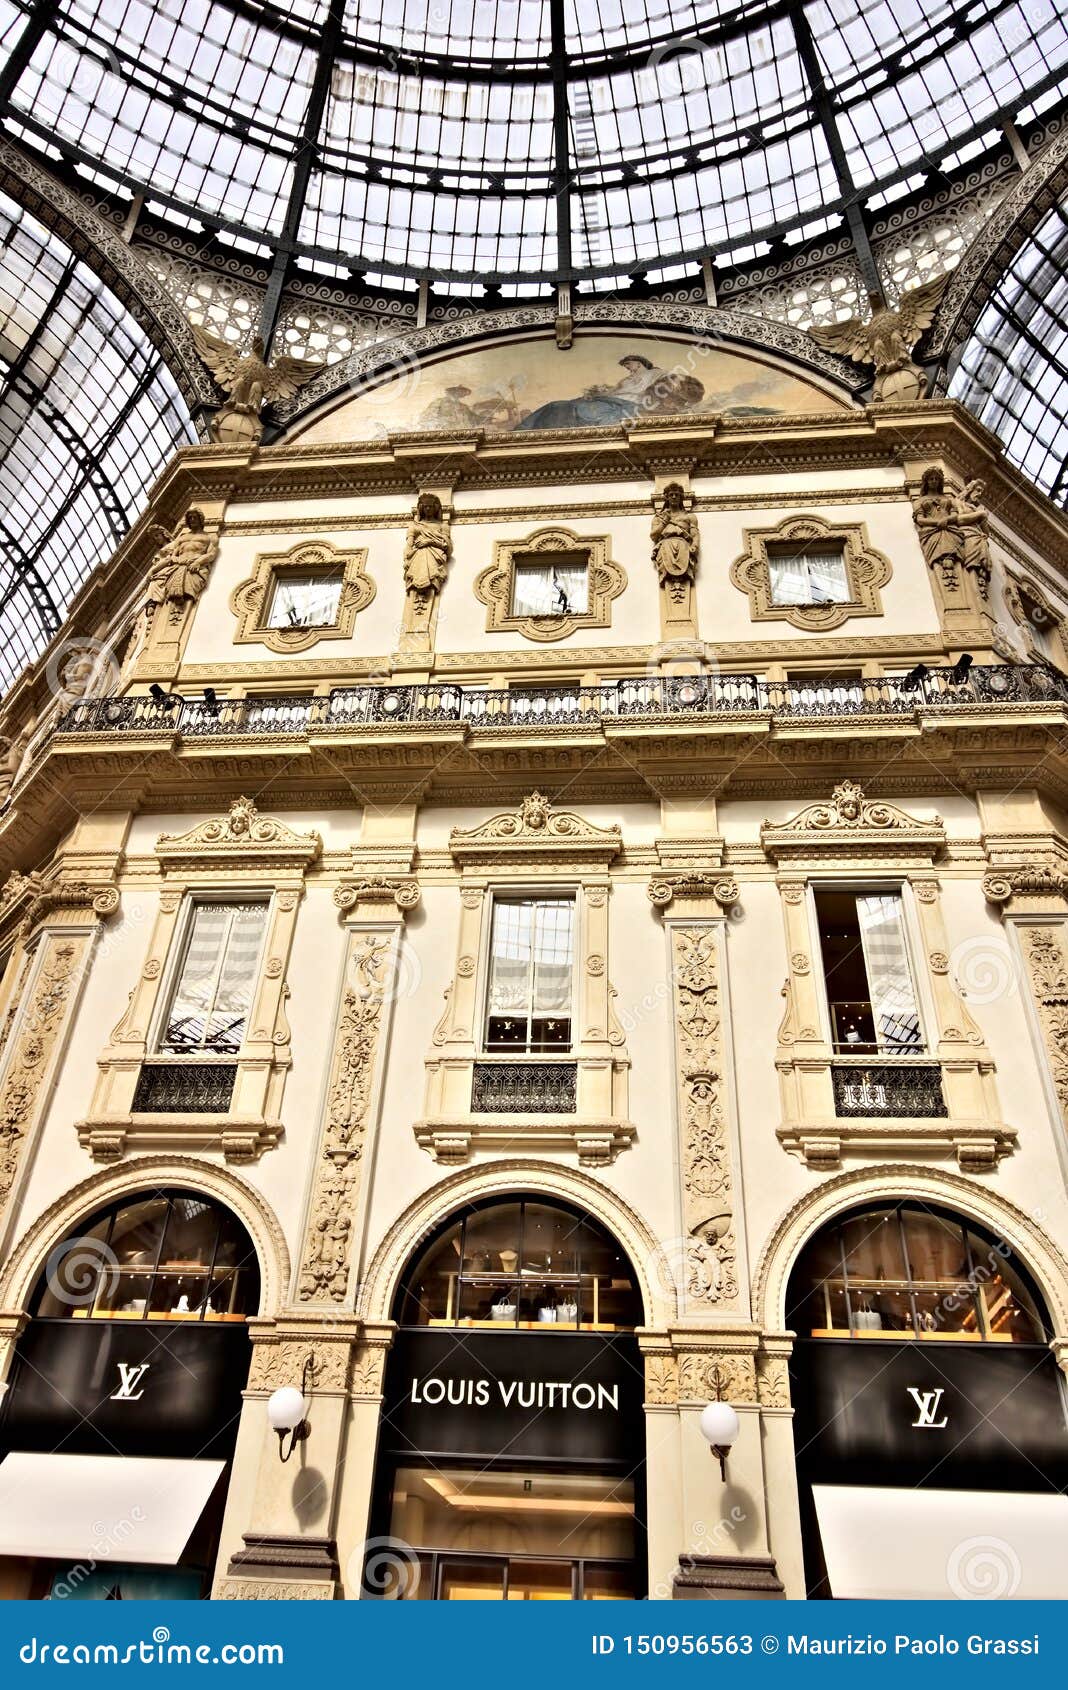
686	697
906	1089
524	1088
184	1088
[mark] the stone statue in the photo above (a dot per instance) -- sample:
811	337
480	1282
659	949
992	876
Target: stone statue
674	537
887	339
180	568
972	523
249	383
428	547
11	755
935	513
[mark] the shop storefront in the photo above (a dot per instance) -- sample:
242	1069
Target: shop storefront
511	1451
930	1413
119	1422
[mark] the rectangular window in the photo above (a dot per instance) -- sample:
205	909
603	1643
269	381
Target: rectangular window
213	993
808	577
528	1002
306	601
551	585
870	991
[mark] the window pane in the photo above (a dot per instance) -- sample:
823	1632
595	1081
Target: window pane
890	990
213	993
529	997
305	601
808	577
555	587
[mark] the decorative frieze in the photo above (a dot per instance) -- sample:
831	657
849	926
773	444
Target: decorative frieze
23	1088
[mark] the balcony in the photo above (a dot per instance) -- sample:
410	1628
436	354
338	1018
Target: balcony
902	1089
524	1088
184	1088
687	698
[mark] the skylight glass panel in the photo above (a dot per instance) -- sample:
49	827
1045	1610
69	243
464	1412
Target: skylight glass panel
1011	371
89	416
509	30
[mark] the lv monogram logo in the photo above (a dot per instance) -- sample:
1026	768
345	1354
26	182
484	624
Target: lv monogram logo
927	1406
129	1378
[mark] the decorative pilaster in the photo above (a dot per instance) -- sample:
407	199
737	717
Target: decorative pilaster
1032	900
328	1256
709	1246
58	931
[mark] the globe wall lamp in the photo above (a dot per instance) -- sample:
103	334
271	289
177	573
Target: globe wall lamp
287	1411
719	1426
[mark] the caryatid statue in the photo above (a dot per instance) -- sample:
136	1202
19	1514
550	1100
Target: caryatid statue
935	513
675	541
427	550
181	566
972	520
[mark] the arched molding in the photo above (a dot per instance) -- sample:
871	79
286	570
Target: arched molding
994	247
98	245
511	1178
900	1183
399	357
62	1217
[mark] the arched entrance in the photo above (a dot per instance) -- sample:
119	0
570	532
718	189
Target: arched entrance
930	1414
511	1451
122	1406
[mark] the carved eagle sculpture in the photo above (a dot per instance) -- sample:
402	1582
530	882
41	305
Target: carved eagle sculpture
248	380
887	340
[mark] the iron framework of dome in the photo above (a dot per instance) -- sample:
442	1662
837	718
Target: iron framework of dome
511	140
334	173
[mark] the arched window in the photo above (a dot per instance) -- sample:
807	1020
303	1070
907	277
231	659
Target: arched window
155	1256
522	1263
906	1270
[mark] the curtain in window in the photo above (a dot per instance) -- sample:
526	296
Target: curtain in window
530	958
550	589
214	991
552	958
305	601
893	1000
809	578
510	958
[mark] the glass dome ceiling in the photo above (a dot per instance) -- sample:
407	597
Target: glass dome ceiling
518	140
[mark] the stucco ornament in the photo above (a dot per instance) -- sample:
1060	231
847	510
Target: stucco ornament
427	548
953	530
675	541
849	808
887	340
181	566
250	383
709	1256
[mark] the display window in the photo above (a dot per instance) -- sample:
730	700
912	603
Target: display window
511	1462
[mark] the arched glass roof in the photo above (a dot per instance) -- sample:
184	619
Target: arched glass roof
518	139
1013	371
89	416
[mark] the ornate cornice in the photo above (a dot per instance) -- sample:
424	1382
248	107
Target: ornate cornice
535	828
852	824
241	835
36	897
